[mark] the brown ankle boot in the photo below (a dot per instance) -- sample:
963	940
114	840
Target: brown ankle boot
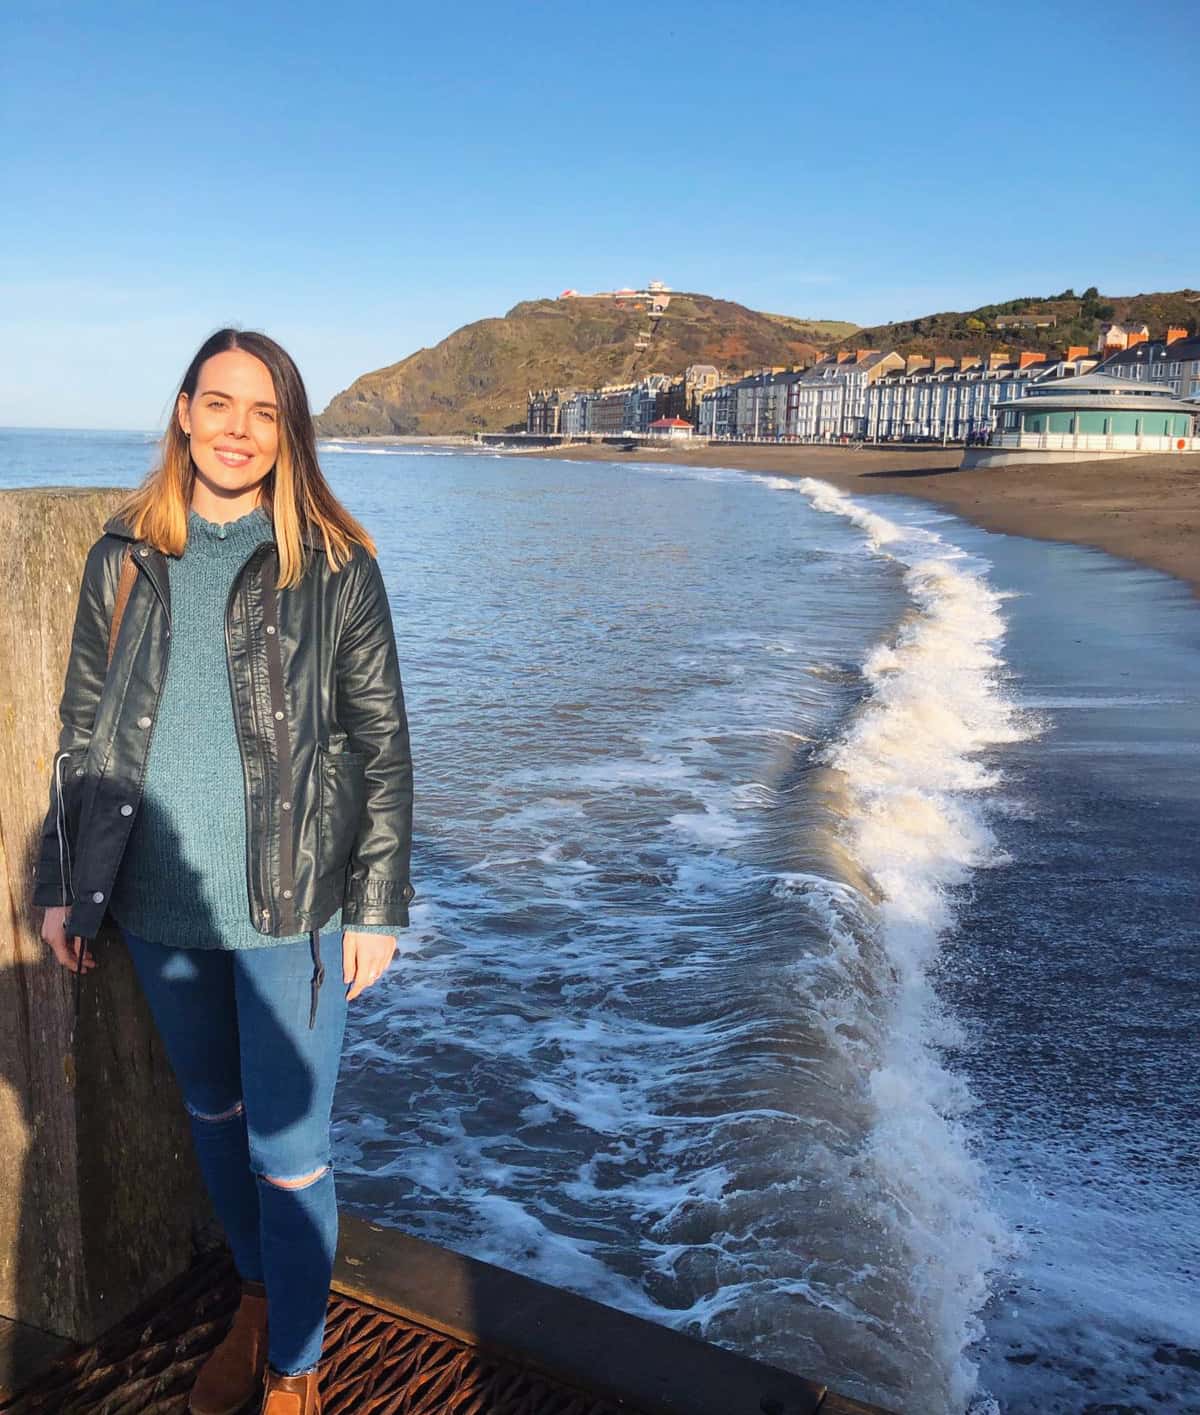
233	1374
291	1395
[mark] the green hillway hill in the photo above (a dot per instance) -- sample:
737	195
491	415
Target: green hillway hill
477	379
1077	319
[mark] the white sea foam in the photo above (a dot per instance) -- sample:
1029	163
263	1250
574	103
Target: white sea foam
351	449
916	821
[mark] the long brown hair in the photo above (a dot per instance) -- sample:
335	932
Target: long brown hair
295	493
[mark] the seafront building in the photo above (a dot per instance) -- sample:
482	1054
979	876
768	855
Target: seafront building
1174	361
758	403
715	415
542	415
673	429
698	379
951	400
619	408
573	414
1090	417
608	411
828	402
859	395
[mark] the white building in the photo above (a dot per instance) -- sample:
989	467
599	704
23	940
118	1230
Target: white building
828	402
1093	416
951	400
1120	336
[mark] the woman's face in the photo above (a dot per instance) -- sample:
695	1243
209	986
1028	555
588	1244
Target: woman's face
232	420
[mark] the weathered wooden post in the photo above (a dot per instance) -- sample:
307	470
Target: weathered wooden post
100	1196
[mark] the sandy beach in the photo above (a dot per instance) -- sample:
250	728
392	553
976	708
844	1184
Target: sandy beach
1145	509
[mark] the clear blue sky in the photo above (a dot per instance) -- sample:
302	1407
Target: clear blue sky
359	180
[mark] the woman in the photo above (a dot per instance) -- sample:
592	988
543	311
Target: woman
235	788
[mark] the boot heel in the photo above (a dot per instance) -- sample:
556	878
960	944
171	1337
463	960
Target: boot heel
231	1379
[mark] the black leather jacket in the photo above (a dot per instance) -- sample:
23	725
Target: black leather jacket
319	711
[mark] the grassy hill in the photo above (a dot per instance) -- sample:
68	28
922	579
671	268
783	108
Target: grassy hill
478	377
1078	320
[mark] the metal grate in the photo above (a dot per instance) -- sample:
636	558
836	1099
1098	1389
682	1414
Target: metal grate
373	1363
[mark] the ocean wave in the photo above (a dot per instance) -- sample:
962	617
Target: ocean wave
356	449
915	819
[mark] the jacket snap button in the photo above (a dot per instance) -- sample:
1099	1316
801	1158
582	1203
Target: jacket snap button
127	809
143	722
287	893
78	771
278	715
270	628
98	897
287	805
143	551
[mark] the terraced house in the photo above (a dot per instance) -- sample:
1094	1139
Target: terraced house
1173	361
828	402
953	399
759	401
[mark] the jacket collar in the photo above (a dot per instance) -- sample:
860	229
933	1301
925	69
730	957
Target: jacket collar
118	526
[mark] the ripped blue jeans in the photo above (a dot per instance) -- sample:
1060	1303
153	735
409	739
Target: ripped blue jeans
258	1085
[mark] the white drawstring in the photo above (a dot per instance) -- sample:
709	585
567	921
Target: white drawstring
66	876
64	845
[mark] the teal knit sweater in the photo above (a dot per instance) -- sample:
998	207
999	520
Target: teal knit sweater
182	878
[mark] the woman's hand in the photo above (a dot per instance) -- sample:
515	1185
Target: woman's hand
364	957
54	933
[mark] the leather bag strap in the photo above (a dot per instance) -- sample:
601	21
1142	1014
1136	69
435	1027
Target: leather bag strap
124	585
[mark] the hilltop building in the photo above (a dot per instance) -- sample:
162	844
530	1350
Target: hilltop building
654	290
1113	337
1026	321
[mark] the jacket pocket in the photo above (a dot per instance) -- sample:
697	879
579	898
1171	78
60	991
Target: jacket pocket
343	795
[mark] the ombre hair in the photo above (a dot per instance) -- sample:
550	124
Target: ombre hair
294	492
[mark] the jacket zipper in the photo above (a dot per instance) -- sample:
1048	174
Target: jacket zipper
166	665
264	914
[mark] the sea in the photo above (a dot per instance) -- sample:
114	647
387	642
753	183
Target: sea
805	953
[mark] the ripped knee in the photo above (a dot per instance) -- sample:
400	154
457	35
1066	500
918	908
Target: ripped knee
302	1182
235	1109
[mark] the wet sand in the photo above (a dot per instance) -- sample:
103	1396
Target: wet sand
1145	509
